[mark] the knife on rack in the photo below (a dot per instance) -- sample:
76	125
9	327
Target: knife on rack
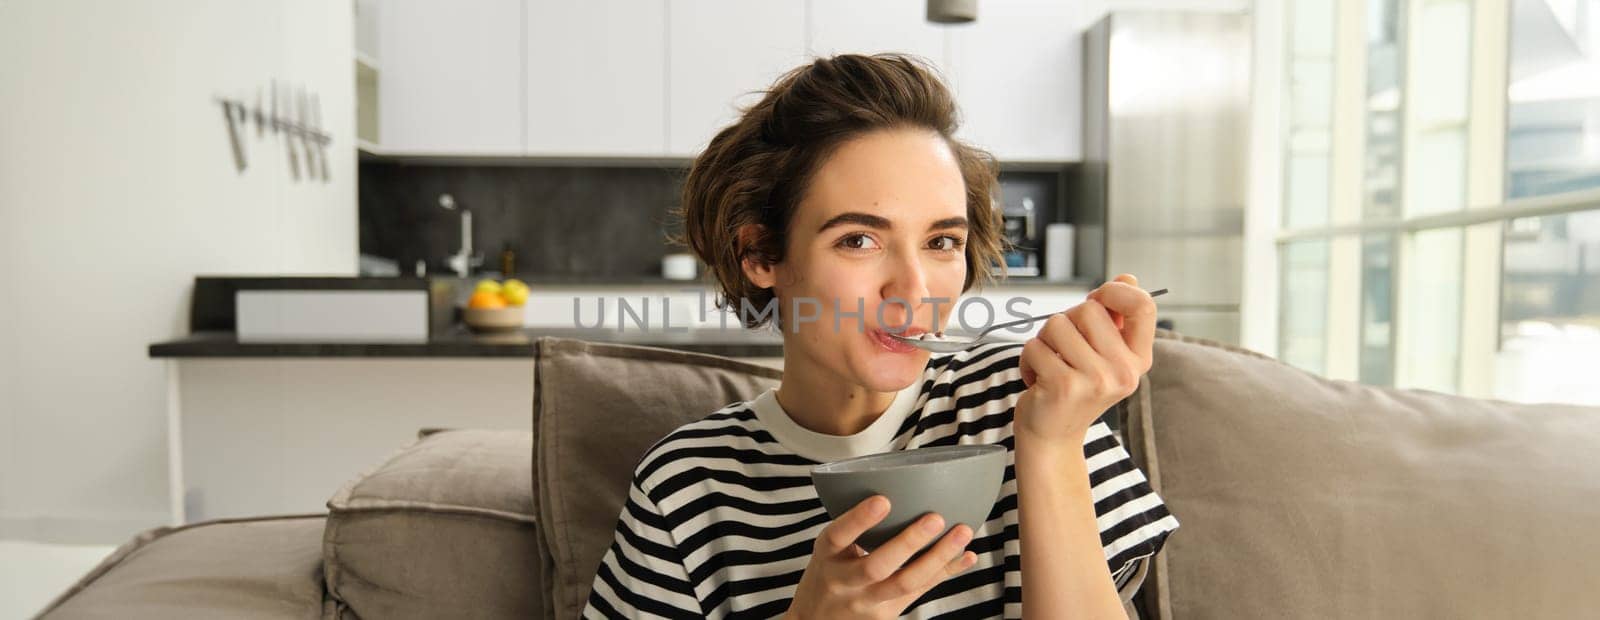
308	142
234	114
289	131
320	136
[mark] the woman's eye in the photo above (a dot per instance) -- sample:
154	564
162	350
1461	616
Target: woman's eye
856	242
948	243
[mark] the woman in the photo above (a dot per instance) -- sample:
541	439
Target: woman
843	188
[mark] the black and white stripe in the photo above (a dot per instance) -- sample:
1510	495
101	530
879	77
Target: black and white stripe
721	517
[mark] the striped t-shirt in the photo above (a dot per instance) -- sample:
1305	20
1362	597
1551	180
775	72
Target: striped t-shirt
721	517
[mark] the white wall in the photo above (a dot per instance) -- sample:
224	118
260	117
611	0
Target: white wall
117	186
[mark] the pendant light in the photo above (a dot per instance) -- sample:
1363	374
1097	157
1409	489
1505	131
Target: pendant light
952	11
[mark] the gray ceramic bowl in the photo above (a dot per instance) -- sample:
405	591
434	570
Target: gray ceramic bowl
960	483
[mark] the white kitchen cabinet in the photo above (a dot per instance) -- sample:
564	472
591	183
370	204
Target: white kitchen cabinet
366	23
452	77
855	27
314	424
366	72
596	82
721	54
1017	73
625	78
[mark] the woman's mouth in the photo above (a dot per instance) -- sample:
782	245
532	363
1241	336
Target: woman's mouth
890	344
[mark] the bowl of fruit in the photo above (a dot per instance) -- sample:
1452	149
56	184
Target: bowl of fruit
495	306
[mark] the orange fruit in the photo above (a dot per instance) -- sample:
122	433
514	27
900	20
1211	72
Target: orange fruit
486	299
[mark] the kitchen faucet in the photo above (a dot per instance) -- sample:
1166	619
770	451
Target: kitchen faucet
463	261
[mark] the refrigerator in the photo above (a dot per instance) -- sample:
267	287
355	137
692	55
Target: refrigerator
1166	155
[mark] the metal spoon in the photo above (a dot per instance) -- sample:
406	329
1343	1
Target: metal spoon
951	345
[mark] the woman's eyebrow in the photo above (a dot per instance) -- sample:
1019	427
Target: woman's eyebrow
881	223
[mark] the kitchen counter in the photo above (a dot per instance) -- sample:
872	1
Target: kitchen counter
213	326
460	342
320	410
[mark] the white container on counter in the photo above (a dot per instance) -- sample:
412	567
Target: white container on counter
1058	239
332	316
678	267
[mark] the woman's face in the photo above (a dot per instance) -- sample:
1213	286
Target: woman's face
881	229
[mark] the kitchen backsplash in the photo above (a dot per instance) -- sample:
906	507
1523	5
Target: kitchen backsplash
606	222
562	222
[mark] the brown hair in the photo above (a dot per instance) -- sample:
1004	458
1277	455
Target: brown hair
756	170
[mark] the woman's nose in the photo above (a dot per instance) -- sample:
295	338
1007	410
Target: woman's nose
906	286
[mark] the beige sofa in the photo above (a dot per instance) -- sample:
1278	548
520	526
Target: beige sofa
1298	497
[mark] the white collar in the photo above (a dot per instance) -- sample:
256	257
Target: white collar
822	447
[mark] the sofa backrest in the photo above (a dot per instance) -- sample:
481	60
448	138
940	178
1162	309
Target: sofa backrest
597	409
1301	497
445	528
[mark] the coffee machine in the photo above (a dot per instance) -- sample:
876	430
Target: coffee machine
1023	233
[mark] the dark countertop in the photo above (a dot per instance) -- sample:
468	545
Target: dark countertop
459	342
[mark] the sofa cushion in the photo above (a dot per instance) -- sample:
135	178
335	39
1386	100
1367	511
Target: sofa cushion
233	568
1308	498
597	409
446	528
